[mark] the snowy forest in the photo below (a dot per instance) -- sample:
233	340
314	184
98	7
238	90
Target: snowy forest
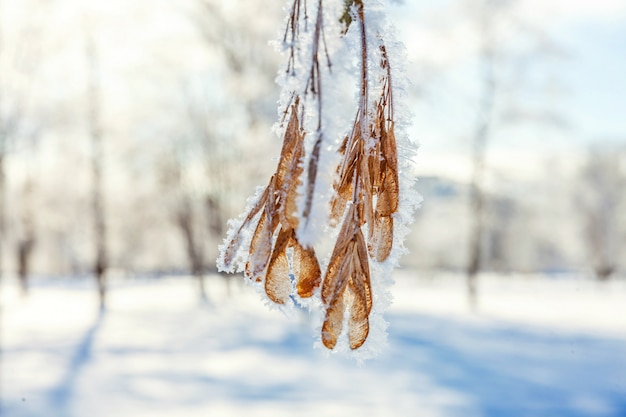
441	184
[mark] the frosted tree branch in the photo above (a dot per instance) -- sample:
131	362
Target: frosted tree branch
370	200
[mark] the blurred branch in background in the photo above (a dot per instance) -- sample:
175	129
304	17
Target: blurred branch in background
208	106
186	104
20	129
603	207
480	142
94	116
4	133
498	136
499	34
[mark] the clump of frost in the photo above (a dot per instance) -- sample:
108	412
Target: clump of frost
245	236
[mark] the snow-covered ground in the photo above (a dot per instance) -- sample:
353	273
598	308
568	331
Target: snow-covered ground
539	346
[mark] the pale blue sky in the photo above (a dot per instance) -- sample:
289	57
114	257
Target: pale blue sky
584	83
596	75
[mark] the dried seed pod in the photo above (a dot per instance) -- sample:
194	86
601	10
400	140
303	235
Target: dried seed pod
367	183
347	280
290	170
290	209
358	324
361	296
277	283
232	247
388	200
362	286
260	247
333	322
307	269
267	254
381	238
339	202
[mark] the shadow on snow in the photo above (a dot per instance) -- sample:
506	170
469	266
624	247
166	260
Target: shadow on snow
61	396
513	372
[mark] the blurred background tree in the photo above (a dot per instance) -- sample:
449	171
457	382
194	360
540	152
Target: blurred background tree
602	199
187	102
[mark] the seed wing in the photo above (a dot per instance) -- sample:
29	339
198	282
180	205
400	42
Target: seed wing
235	242
277	283
333	322
260	247
381	240
307	269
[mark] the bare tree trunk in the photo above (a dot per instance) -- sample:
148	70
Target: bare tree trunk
98	211
194	253
481	140
2	202
216	220
26	240
3	140
602	196
238	44
18	90
24	250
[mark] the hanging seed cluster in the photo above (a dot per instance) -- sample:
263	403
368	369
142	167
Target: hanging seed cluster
275	215
366	196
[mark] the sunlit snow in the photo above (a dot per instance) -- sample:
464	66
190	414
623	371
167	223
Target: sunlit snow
541	346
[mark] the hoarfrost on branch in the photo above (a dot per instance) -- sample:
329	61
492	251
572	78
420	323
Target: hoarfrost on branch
340	175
